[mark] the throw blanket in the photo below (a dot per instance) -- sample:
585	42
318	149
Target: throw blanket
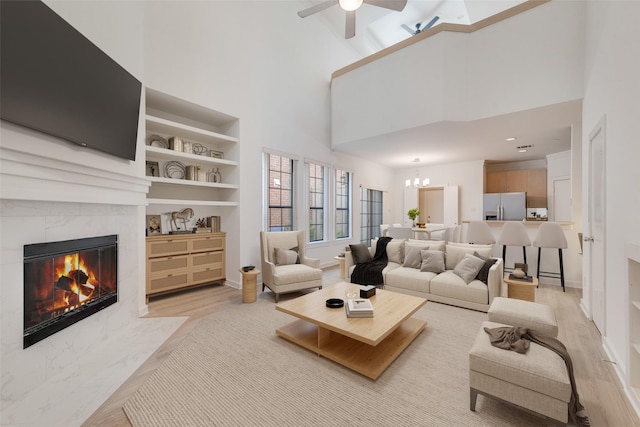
370	273
518	339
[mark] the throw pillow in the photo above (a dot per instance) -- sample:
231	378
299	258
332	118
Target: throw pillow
455	253
468	268
432	261
395	251
434	245
287	256
360	253
483	274
412	257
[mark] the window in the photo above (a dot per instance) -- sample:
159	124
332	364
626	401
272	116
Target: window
316	201
370	214
280	197
343	204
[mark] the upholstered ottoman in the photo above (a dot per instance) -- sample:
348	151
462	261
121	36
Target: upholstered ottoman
537	381
516	312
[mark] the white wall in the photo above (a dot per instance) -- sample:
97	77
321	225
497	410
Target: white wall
612	89
467	176
461	77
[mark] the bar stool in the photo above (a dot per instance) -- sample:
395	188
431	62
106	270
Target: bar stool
513	234
550	235
479	232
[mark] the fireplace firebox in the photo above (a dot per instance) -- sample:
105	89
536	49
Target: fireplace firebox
67	281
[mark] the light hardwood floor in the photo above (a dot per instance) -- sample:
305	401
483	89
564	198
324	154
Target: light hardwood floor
600	391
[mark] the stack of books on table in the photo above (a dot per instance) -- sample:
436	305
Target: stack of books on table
359	307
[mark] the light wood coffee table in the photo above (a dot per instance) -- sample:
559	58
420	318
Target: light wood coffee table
366	345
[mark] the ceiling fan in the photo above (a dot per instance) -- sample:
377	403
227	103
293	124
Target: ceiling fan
350	6
418	30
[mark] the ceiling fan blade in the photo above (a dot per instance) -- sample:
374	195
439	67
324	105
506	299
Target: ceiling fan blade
317	8
406	27
350	25
430	24
397	5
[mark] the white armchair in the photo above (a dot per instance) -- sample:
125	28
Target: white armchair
285	266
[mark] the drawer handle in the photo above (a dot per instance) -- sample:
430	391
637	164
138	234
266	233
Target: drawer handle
169	275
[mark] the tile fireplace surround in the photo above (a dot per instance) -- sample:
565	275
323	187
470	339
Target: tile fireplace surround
63	379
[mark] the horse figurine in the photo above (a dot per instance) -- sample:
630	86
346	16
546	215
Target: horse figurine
184	215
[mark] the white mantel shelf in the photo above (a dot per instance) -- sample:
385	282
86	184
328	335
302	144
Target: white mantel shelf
27	176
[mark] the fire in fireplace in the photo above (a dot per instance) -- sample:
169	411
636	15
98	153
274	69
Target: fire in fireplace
67	281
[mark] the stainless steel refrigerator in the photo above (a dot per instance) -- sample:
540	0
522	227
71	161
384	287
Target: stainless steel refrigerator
505	206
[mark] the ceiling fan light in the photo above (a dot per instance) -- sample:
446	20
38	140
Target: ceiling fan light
350	5
407	183
425	182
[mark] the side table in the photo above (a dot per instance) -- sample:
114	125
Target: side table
341	261
521	289
249	285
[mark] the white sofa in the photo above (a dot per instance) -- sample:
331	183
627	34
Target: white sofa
446	287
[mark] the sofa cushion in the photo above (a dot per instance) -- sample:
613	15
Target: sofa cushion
412	257
468	267
395	251
451	285
287	256
483	274
409	278
360	253
455	252
432	261
435	245
295	273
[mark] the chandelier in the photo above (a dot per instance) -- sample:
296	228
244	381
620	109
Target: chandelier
417	182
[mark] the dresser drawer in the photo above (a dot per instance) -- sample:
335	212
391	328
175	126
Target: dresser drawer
207	275
210	259
162	266
207	243
167	282
166	247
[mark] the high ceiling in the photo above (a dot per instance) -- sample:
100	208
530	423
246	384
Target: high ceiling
378	28
546	129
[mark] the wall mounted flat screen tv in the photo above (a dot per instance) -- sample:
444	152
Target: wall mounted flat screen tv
54	80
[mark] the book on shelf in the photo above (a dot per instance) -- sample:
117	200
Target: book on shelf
359	307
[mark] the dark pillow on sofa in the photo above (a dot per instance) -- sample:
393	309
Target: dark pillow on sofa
360	253
483	274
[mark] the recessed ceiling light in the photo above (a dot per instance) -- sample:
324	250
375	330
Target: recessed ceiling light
511	138
524	148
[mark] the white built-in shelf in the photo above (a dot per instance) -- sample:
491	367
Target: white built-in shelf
167	154
191	202
189	183
169	127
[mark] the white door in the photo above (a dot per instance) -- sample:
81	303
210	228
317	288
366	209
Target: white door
562	200
595	239
451	217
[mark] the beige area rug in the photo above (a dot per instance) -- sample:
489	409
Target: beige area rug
232	370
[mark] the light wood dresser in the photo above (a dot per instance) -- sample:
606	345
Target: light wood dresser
176	262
